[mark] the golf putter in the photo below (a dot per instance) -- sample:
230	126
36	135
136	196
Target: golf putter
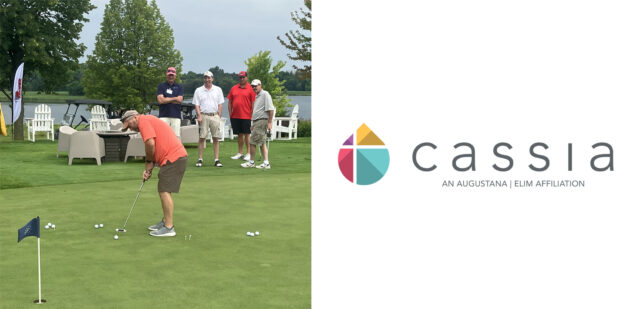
268	138
124	228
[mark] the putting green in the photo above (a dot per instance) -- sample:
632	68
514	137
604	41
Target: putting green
220	267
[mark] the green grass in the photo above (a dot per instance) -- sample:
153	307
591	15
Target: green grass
298	93
220	267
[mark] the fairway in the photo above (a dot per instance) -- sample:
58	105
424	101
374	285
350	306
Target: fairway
219	267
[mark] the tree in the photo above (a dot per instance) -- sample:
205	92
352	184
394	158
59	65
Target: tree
133	50
192	80
259	67
292	83
43	35
299	42
74	87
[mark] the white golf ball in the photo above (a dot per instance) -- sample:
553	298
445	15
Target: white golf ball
53	226
101	225
49	224
46	227
248	233
115	236
96	226
257	233
252	234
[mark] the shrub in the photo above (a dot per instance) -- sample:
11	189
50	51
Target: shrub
304	128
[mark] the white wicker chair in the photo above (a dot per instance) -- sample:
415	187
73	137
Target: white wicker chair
64	139
135	147
86	144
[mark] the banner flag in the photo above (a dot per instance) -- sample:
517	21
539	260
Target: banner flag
17	93
31	229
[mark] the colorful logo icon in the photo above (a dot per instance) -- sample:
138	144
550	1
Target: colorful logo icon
366	161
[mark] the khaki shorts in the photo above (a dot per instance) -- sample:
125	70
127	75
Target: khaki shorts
174	123
210	123
170	175
259	132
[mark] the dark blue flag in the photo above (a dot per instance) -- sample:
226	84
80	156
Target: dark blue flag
31	229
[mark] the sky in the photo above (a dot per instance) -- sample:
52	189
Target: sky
211	33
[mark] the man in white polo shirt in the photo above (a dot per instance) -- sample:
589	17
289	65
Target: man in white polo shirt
208	100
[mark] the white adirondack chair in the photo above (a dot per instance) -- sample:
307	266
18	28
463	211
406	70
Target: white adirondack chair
98	120
288	125
41	122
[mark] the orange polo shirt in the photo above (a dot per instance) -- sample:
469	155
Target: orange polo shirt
168	145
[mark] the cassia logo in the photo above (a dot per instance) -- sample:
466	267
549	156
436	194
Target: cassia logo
365	161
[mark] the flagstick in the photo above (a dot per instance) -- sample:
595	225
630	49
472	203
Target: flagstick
39	277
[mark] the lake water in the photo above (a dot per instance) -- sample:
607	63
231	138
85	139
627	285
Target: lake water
58	110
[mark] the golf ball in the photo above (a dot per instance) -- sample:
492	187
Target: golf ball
96	226
46	227
115	236
49	223
257	233
53	226
101	225
252	234
248	233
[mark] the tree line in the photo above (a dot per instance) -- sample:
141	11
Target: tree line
72	81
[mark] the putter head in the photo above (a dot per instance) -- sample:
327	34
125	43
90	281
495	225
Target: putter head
121	230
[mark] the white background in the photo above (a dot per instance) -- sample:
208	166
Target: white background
481	72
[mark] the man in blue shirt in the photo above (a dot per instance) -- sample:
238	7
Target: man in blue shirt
170	96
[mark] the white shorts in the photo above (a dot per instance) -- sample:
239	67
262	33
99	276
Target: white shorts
174	123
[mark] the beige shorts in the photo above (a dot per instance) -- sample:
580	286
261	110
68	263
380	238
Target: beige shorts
259	132
210	123
170	175
174	123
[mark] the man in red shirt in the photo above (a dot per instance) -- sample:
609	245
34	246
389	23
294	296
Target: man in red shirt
241	98
164	148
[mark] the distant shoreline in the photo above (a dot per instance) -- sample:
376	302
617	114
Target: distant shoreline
299	93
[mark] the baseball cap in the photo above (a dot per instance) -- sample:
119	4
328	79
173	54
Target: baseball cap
242	74
255	82
171	71
208	73
126	116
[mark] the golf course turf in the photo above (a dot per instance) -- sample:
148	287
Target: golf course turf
218	267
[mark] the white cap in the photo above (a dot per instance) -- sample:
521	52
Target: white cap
255	82
208	73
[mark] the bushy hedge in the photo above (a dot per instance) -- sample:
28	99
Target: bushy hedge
304	128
